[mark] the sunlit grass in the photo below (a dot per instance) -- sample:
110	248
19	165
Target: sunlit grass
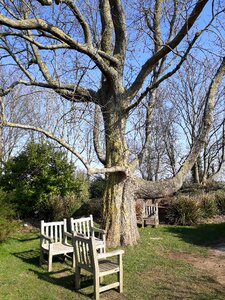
150	272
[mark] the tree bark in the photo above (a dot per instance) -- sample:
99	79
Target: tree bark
119	204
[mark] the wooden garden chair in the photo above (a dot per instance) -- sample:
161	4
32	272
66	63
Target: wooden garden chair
151	213
53	241
85	226
98	264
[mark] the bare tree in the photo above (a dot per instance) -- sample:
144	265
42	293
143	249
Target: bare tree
46	42
189	88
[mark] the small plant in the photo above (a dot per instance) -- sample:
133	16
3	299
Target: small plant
184	211
208	206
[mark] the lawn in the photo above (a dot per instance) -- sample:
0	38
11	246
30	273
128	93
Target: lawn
151	269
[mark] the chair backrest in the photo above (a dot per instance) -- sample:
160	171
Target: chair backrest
82	225
85	252
54	230
150	210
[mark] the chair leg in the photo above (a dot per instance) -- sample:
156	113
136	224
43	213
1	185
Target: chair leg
49	262
120	275
41	257
96	287
77	278
73	259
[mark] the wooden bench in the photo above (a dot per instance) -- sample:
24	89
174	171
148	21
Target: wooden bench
85	227
97	264
53	241
150	213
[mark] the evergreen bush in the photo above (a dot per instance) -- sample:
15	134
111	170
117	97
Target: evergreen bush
97	187
37	175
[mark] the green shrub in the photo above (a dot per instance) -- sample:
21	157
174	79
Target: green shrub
220	201
184	211
208	205
91	206
38	173
56	207
8	225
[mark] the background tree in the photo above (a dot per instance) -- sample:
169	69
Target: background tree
47	42
188	95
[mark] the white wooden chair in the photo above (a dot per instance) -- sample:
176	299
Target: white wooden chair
151	213
89	259
85	226
53	241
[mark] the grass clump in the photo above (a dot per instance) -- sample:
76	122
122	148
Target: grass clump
208	206
184	211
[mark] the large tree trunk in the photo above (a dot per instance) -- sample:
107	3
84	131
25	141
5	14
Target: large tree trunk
119	204
119	211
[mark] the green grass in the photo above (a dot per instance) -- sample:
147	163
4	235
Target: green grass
150	272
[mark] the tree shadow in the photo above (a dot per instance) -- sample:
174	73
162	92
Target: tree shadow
207	235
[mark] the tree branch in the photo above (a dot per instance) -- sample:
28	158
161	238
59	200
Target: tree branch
149	64
145	189
81	20
39	24
119	23
97	146
107	26
90	170
166	76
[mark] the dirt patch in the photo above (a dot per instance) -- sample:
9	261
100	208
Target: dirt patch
213	264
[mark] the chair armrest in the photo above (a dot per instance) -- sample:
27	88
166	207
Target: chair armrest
43	236
68	234
98	230
110	254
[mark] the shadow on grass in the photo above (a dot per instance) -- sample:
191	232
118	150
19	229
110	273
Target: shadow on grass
65	278
207	235
30	257
22	240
